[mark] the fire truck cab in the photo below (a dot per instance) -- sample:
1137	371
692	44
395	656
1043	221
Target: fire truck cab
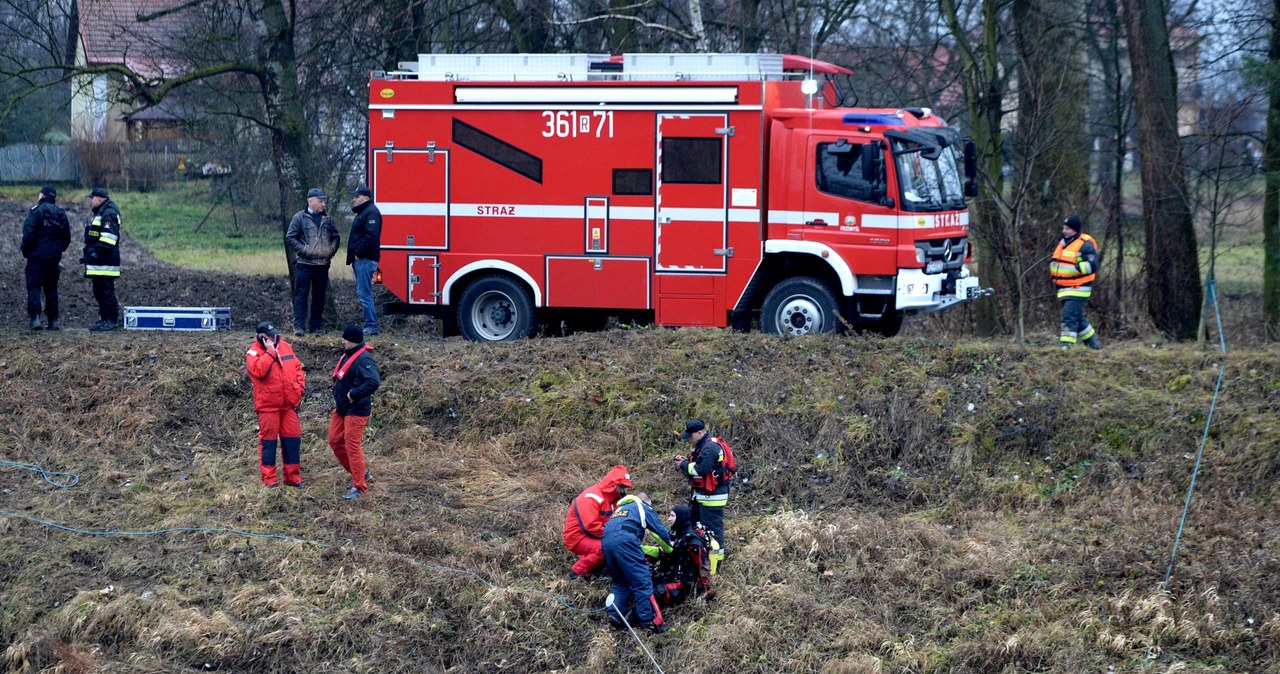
686	189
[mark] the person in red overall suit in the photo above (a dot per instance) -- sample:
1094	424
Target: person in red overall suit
355	378
584	525
278	384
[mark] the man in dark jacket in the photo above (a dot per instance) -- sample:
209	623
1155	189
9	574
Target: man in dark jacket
362	252
314	240
355	378
45	234
707	456
101	258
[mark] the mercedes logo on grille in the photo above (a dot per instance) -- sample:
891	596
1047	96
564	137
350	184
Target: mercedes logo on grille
946	251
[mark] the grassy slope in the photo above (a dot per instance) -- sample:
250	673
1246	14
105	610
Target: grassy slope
881	522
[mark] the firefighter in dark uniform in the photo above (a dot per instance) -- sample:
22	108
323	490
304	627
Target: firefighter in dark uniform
101	258
45	235
1073	269
706	457
631	596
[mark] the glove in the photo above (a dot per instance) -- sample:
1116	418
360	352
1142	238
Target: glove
82	260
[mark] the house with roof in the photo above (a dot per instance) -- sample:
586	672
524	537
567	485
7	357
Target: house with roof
135	34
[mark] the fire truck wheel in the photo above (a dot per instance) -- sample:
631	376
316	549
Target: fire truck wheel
799	306
494	309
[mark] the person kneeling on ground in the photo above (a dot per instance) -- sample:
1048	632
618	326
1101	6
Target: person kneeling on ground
584	523
631	596
689	568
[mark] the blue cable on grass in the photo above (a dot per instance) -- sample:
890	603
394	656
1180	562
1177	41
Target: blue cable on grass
71	479
1212	297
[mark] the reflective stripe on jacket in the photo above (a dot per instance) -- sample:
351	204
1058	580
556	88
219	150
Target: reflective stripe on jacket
1075	263
102	241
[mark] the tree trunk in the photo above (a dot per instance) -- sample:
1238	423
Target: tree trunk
1271	198
291	145
1171	263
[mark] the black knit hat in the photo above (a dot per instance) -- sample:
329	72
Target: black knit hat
49	191
353	334
1073	221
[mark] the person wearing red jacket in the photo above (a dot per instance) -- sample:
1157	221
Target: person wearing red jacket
584	524
278	384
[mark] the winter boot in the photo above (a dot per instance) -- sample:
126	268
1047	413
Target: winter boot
1094	343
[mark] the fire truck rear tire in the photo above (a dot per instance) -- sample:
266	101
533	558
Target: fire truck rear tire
799	306
495	309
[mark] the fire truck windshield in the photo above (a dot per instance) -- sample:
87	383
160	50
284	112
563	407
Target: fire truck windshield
927	184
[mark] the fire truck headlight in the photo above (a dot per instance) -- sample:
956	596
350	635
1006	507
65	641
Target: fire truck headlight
933	267
809	87
918	289
919	256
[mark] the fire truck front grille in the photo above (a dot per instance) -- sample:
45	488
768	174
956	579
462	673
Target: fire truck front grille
950	252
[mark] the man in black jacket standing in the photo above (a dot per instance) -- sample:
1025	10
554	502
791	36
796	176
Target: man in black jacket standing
314	240
355	378
101	258
45	234
362	252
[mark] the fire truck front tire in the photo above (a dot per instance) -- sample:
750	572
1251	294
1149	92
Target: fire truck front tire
799	306
494	309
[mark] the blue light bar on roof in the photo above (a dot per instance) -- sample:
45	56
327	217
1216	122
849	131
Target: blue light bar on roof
861	119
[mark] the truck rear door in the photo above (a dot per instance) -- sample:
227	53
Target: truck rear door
411	188
692	203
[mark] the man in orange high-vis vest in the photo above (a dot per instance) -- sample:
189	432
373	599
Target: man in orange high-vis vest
1074	268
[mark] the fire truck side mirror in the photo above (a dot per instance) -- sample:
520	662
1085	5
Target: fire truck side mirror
970	168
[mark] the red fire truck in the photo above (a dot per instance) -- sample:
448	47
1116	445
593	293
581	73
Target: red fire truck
520	190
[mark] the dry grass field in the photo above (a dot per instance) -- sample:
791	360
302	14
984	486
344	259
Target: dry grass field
906	505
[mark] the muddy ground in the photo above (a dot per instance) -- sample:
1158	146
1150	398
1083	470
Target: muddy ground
146	281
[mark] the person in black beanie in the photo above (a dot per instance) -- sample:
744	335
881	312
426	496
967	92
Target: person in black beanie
1073	269
46	233
355	378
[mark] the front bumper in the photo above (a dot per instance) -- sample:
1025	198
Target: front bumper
921	292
